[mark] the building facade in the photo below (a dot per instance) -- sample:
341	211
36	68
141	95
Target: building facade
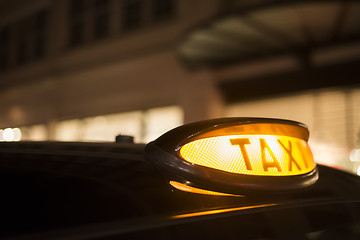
89	70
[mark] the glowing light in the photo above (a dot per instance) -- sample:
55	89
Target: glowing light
8	134
17	134
355	155
264	155
196	214
186	188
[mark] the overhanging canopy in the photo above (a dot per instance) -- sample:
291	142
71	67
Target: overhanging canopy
270	28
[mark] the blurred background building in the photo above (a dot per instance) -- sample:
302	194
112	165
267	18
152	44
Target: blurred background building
88	70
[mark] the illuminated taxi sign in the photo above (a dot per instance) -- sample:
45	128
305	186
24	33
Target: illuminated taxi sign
264	155
235	154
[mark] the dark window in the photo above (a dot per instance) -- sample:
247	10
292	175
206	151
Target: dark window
4	48
76	34
132	14
23	48
77	6
76	22
163	9
101	18
30	40
40	31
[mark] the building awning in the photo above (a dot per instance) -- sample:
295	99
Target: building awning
264	29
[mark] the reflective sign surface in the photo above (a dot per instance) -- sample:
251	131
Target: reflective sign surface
264	155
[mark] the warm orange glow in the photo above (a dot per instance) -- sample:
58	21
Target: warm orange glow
196	214
262	155
187	188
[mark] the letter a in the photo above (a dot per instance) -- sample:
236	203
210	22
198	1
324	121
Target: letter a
264	146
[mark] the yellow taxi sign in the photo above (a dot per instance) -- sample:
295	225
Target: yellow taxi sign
263	155
233	155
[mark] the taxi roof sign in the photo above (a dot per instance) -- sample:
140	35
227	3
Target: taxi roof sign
233	154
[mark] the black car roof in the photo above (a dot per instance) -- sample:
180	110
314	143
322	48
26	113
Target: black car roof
54	185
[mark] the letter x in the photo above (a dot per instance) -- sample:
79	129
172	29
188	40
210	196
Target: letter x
291	158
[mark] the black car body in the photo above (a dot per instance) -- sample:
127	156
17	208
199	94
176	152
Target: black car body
54	190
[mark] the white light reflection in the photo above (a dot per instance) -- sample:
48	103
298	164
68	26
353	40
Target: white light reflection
10	135
17	134
355	155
